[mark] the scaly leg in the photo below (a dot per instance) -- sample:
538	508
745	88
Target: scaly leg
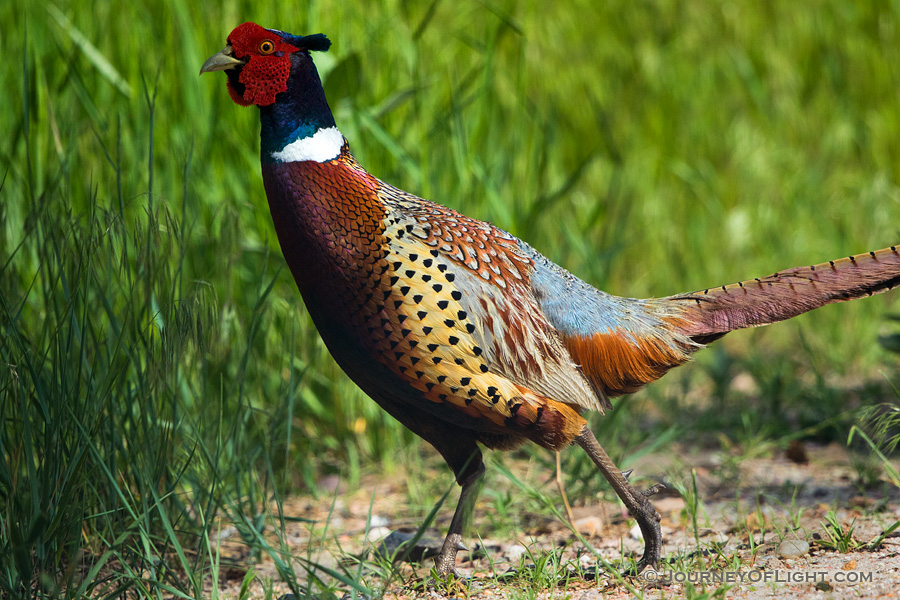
636	502
461	453
445	562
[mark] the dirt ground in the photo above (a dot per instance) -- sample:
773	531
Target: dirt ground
761	527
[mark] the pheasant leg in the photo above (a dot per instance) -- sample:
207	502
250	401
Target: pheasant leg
445	562
636	502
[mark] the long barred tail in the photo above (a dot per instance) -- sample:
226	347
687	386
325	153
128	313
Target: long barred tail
709	314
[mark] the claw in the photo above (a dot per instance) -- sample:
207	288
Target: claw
627	474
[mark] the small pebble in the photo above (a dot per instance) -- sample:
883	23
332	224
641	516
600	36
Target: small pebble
226	532
824	586
589	526
378	521
377	533
636	533
514	552
330	484
849	565
716	537
793	548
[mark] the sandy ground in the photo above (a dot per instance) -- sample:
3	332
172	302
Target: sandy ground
752	521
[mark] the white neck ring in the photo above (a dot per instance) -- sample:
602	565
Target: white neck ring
322	146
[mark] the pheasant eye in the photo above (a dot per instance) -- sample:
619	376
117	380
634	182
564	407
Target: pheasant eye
267	47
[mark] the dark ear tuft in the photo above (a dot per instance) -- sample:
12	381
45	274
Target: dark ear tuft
316	42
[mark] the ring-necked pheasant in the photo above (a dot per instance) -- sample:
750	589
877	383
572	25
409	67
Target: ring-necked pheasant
460	331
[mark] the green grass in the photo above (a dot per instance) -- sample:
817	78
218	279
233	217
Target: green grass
839	537
157	364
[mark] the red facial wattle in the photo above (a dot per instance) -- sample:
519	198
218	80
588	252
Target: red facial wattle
266	73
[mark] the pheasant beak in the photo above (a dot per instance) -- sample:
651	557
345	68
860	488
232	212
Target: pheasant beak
221	61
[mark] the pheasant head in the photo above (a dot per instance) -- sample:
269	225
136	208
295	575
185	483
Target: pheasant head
274	70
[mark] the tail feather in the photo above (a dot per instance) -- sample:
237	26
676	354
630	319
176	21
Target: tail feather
709	314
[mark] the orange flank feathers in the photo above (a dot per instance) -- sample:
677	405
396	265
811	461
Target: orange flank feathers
620	363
